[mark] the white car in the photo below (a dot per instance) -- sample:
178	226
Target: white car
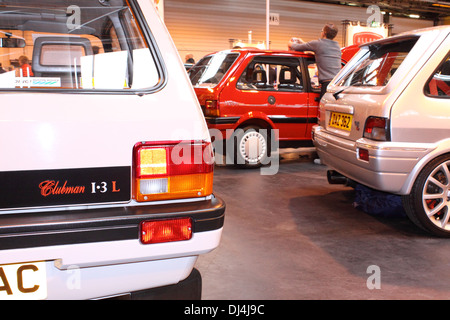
385	123
106	171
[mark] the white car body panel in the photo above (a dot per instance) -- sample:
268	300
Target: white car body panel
88	130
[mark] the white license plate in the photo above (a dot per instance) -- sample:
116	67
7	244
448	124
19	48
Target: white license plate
24	281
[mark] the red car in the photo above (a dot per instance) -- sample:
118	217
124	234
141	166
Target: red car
348	53
258	91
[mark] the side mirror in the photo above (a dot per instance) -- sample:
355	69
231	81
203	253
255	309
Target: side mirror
12	43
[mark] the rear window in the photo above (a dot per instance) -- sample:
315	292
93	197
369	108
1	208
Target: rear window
95	45
376	66
210	70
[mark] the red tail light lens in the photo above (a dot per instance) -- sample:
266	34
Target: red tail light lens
363	154
166	230
179	170
212	108
376	128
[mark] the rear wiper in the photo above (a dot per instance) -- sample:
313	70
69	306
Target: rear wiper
336	94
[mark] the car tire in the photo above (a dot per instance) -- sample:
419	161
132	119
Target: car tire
428	204
251	147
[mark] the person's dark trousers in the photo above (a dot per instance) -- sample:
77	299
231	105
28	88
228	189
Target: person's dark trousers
324	87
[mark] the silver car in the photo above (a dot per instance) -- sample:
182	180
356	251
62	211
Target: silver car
385	123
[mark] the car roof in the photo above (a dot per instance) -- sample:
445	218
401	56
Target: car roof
444	28
409	34
252	50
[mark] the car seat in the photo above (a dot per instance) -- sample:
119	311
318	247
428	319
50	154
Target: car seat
59	57
288	79
259	78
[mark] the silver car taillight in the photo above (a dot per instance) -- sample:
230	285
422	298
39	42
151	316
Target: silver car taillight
377	128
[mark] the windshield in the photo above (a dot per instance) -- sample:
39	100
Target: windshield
210	70
378	65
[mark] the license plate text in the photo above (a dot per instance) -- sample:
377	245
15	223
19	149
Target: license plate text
341	121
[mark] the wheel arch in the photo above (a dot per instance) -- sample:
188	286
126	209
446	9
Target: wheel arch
256	122
442	149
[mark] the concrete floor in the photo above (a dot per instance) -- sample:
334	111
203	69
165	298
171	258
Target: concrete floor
292	236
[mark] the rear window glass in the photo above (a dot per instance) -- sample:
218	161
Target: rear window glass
210	70
95	45
378	64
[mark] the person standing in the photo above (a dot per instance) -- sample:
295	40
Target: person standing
327	52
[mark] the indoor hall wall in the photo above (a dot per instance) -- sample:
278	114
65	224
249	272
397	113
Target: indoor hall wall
199	27
405	24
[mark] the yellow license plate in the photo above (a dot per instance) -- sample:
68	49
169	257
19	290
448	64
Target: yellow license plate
24	281
341	121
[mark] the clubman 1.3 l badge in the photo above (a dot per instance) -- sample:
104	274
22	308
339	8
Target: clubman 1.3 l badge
64	187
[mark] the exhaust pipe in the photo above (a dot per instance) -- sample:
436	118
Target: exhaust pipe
335	177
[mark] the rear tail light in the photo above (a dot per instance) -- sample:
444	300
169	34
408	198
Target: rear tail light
212	108
165	171
376	128
159	231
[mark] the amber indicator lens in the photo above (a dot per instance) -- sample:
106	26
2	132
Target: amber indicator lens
177	170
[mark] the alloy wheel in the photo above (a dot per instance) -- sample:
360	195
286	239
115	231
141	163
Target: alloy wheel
436	196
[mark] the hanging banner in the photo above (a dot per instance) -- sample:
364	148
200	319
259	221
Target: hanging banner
357	34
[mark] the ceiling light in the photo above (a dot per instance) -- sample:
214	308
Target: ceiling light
441	5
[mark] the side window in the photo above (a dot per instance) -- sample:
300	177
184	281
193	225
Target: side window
439	84
313	74
272	74
66	46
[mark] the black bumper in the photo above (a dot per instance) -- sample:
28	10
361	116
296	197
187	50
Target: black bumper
29	230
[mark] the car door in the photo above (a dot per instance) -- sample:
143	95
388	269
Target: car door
313	87
272	86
